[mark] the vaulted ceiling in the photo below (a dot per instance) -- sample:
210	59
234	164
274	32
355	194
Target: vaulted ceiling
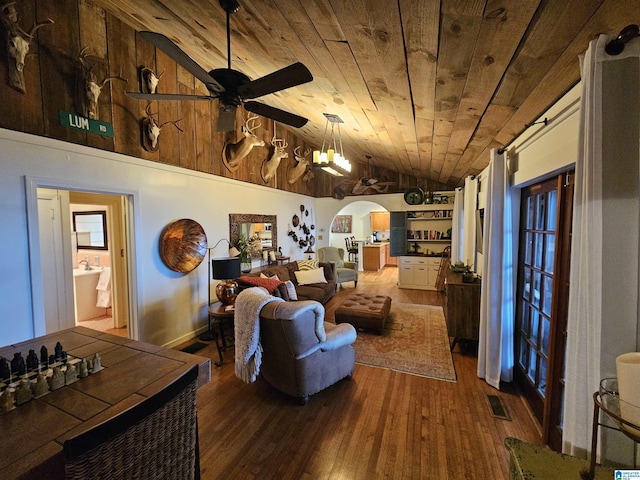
425	88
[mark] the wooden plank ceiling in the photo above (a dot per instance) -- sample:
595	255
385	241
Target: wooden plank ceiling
425	88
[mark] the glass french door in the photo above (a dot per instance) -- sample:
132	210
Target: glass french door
543	286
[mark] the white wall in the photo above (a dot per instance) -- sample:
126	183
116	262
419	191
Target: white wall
170	306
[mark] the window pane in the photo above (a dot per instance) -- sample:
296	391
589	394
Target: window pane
548	290
540	211
552	198
525	319
546	326
527	284
549	250
522	359
537	259
529	219
531	371
542	379
536	290
535	319
528	248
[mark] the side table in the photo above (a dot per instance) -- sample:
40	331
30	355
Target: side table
218	316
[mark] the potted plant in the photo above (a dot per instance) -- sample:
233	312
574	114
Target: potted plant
247	246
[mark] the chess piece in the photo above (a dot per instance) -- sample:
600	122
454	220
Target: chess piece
96	364
52	359
63	356
56	380
40	387
44	354
32	361
23	393
6	401
83	369
17	364
5	371
70	375
58	350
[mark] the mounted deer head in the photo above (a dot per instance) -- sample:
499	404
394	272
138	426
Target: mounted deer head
270	165
151	130
18	43
233	153
150	80
89	89
302	165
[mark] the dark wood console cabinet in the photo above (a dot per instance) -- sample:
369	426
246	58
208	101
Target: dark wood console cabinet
462	308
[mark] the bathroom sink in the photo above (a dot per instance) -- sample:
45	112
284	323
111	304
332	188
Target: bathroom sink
78	272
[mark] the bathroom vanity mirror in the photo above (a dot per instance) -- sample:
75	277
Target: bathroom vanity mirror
265	226
91	230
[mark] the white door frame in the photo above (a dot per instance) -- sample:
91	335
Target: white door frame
35	267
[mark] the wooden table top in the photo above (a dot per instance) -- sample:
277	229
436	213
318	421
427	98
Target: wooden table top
33	433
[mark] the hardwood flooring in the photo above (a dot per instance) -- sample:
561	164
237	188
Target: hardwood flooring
379	424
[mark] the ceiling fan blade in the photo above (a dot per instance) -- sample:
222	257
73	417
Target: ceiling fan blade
226	119
175	53
276	114
295	74
168	96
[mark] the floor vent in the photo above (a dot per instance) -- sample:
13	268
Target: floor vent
194	347
497	407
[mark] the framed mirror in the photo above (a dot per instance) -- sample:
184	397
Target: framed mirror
91	230
265	226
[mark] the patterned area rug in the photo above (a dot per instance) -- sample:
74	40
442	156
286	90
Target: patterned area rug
414	341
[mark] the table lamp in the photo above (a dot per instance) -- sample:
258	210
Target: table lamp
226	270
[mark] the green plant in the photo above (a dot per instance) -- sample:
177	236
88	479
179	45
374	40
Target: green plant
248	245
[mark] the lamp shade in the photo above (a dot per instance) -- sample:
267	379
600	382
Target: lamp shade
225	268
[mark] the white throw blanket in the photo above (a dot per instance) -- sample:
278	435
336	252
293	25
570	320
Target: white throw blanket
247	331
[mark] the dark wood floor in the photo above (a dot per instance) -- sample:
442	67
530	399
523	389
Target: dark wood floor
379	424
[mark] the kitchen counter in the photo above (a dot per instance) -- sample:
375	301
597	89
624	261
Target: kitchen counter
374	256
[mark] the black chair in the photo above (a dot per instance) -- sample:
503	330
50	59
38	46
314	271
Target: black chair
352	248
157	438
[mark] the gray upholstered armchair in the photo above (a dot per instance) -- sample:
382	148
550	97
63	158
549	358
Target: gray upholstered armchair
345	271
303	354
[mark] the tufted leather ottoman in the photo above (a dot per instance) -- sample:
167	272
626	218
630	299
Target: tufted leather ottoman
364	310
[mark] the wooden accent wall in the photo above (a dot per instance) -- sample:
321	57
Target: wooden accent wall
50	77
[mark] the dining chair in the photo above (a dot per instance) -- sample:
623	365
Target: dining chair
352	248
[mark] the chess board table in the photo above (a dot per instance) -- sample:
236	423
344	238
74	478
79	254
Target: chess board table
32	434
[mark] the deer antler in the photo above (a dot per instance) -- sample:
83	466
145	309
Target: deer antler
114	77
249	124
174	122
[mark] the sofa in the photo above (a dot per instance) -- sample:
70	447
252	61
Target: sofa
319	291
301	353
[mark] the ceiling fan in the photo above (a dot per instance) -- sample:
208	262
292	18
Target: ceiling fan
231	87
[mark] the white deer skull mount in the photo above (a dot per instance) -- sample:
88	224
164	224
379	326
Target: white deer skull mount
18	42
301	167
89	88
233	153
150	80
151	130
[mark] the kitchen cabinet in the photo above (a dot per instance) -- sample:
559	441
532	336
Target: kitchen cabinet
417	272
380	222
373	257
389	261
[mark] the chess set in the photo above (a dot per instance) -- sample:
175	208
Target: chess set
22	380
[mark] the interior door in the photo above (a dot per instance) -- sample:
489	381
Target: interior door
543	287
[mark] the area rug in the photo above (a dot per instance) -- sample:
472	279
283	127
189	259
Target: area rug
414	341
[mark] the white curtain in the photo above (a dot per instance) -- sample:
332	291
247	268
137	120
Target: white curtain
456	226
469	221
584	323
497	294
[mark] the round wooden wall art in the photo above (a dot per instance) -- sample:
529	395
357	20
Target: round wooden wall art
183	245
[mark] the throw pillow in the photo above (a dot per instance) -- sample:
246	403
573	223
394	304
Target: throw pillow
291	290
274	277
307	277
307	265
268	283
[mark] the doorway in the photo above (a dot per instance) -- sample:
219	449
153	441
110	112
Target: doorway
542	300
84	284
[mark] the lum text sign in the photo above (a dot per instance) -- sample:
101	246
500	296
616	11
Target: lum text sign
73	120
